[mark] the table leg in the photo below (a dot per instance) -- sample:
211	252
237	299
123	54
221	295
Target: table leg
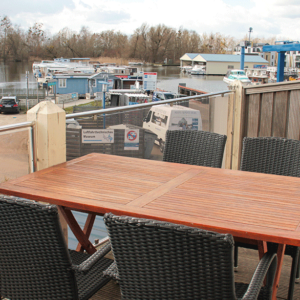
262	249
280	255
87	229
78	232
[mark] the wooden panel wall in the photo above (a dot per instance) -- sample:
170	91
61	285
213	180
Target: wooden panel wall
265	110
273	110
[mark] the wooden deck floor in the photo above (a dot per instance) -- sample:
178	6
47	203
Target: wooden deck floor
248	260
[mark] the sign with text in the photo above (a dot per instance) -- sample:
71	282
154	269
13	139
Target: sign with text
131	139
149	81
97	136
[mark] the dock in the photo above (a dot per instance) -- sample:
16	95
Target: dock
183	90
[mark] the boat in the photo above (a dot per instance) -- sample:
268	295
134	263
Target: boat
186	69
198	70
258	76
233	75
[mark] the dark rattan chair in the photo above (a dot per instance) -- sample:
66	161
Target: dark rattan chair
34	260
159	260
191	147
279	156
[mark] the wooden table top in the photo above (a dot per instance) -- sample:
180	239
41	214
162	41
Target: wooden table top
249	205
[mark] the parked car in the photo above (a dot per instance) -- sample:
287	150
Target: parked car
9	104
159	96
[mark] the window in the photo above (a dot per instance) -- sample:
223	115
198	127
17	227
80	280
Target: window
93	82
230	67
62	83
148	118
158	120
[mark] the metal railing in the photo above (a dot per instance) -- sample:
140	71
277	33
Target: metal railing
142	105
106	111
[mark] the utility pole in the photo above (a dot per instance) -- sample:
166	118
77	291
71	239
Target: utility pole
250	30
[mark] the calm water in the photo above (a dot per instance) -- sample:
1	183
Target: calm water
168	79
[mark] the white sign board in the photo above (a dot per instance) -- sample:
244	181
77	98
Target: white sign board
131	139
97	136
149	81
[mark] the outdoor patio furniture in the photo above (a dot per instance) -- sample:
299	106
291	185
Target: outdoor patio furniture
34	260
161	260
192	147
279	156
220	200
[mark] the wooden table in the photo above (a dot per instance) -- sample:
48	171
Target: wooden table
250	206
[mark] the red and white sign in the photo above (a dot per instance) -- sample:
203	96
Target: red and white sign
149	81
131	139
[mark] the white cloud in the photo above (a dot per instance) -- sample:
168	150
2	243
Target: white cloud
229	17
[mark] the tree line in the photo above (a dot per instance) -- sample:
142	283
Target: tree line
154	44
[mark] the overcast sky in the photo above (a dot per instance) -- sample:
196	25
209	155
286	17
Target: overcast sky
268	18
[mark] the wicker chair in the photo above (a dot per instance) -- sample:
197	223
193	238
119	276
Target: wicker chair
159	260
34	260
279	156
191	147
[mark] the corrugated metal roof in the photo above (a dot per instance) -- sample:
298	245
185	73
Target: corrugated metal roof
227	57
232	58
192	55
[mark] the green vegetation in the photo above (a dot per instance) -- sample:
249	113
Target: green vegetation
69	110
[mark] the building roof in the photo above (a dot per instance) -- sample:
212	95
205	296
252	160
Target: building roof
192	55
227	57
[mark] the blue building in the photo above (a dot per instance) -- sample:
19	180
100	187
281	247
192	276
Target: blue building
83	83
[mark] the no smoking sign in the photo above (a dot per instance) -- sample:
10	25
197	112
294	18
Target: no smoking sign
131	139
131	135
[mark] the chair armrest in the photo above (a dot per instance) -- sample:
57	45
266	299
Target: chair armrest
85	266
112	272
266	266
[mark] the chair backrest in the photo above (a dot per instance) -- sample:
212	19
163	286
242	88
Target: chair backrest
34	259
192	147
271	155
159	260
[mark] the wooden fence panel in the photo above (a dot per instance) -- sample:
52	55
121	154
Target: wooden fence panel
253	115
280	114
269	110
293	131
266	115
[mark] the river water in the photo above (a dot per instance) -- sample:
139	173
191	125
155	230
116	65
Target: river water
168	78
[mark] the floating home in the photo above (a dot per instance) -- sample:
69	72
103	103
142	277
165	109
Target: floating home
219	64
84	83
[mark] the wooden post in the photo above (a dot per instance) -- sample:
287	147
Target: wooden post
235	126
49	139
228	156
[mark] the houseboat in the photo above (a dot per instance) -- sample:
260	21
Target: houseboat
45	69
82	84
258	76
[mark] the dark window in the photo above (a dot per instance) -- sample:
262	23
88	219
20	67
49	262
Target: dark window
8	101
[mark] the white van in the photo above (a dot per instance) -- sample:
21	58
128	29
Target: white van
165	117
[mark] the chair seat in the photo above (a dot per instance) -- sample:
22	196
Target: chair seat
90	283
